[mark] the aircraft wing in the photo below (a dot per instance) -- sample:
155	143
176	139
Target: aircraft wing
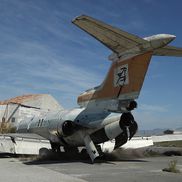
168	51
115	39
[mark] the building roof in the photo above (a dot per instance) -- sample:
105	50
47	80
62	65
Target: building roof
20	99
41	101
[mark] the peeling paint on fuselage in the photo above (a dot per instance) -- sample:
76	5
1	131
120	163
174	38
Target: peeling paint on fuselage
47	125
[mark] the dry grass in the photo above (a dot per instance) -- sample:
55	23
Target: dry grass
172	167
169	144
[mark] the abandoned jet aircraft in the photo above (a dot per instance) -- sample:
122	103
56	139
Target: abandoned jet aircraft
105	111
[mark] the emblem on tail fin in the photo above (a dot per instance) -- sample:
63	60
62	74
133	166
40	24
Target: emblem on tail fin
121	76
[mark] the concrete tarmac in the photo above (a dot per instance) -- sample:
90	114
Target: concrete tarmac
138	170
14	170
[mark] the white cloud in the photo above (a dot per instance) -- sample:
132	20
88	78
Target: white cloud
153	108
33	67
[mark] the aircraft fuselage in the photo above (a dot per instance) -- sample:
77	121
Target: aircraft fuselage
66	127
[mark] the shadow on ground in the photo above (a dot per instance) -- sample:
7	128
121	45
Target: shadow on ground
125	155
117	155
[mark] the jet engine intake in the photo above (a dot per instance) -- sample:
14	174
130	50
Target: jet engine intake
66	128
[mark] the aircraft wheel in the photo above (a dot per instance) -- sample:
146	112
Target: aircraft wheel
55	147
44	153
84	154
71	150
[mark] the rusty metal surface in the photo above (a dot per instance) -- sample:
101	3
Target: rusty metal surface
21	99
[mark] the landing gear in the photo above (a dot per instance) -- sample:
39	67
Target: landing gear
85	156
55	147
44	153
71	150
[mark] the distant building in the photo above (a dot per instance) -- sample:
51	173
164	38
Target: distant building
166	132
15	109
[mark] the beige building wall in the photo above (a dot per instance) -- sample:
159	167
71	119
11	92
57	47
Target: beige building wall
27	106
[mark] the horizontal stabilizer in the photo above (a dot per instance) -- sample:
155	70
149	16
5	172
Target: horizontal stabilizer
168	51
115	39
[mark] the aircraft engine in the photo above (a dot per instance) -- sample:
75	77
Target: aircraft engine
112	130
126	122
65	128
118	129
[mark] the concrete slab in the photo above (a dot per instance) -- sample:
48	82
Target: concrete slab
13	170
140	170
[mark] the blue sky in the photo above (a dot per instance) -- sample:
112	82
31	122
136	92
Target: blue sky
41	51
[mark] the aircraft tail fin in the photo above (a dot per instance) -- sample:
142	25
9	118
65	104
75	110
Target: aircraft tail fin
123	82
